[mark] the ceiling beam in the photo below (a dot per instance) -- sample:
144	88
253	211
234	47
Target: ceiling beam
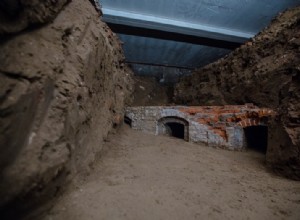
150	26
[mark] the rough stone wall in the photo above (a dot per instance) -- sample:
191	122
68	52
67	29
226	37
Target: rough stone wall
265	71
63	88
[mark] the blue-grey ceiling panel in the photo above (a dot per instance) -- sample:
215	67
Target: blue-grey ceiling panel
248	16
166	52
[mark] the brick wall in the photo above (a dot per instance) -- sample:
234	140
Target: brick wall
220	126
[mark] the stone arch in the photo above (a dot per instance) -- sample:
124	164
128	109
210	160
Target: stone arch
255	133
173	126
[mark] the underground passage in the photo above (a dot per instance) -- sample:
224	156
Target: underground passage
257	138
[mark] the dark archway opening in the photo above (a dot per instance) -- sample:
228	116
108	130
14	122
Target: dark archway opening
257	138
175	129
127	121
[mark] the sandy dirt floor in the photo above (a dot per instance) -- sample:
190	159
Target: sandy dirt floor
143	176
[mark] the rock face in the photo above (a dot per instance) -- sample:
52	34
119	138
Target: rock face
265	71
63	88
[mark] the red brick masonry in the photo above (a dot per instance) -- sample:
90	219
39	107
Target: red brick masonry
217	118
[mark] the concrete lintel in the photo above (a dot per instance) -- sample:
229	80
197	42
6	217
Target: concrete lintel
163	24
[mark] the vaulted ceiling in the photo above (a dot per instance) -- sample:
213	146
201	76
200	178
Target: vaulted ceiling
171	37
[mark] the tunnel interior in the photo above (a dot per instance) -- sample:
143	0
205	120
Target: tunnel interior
175	129
257	138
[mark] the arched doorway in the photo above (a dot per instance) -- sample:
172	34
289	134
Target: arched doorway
173	126
257	137
128	121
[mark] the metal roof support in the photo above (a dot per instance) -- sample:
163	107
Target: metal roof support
130	19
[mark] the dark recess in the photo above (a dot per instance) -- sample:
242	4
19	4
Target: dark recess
127	121
10	8
257	138
176	129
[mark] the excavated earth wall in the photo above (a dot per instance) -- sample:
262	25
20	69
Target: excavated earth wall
63	87
265	71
